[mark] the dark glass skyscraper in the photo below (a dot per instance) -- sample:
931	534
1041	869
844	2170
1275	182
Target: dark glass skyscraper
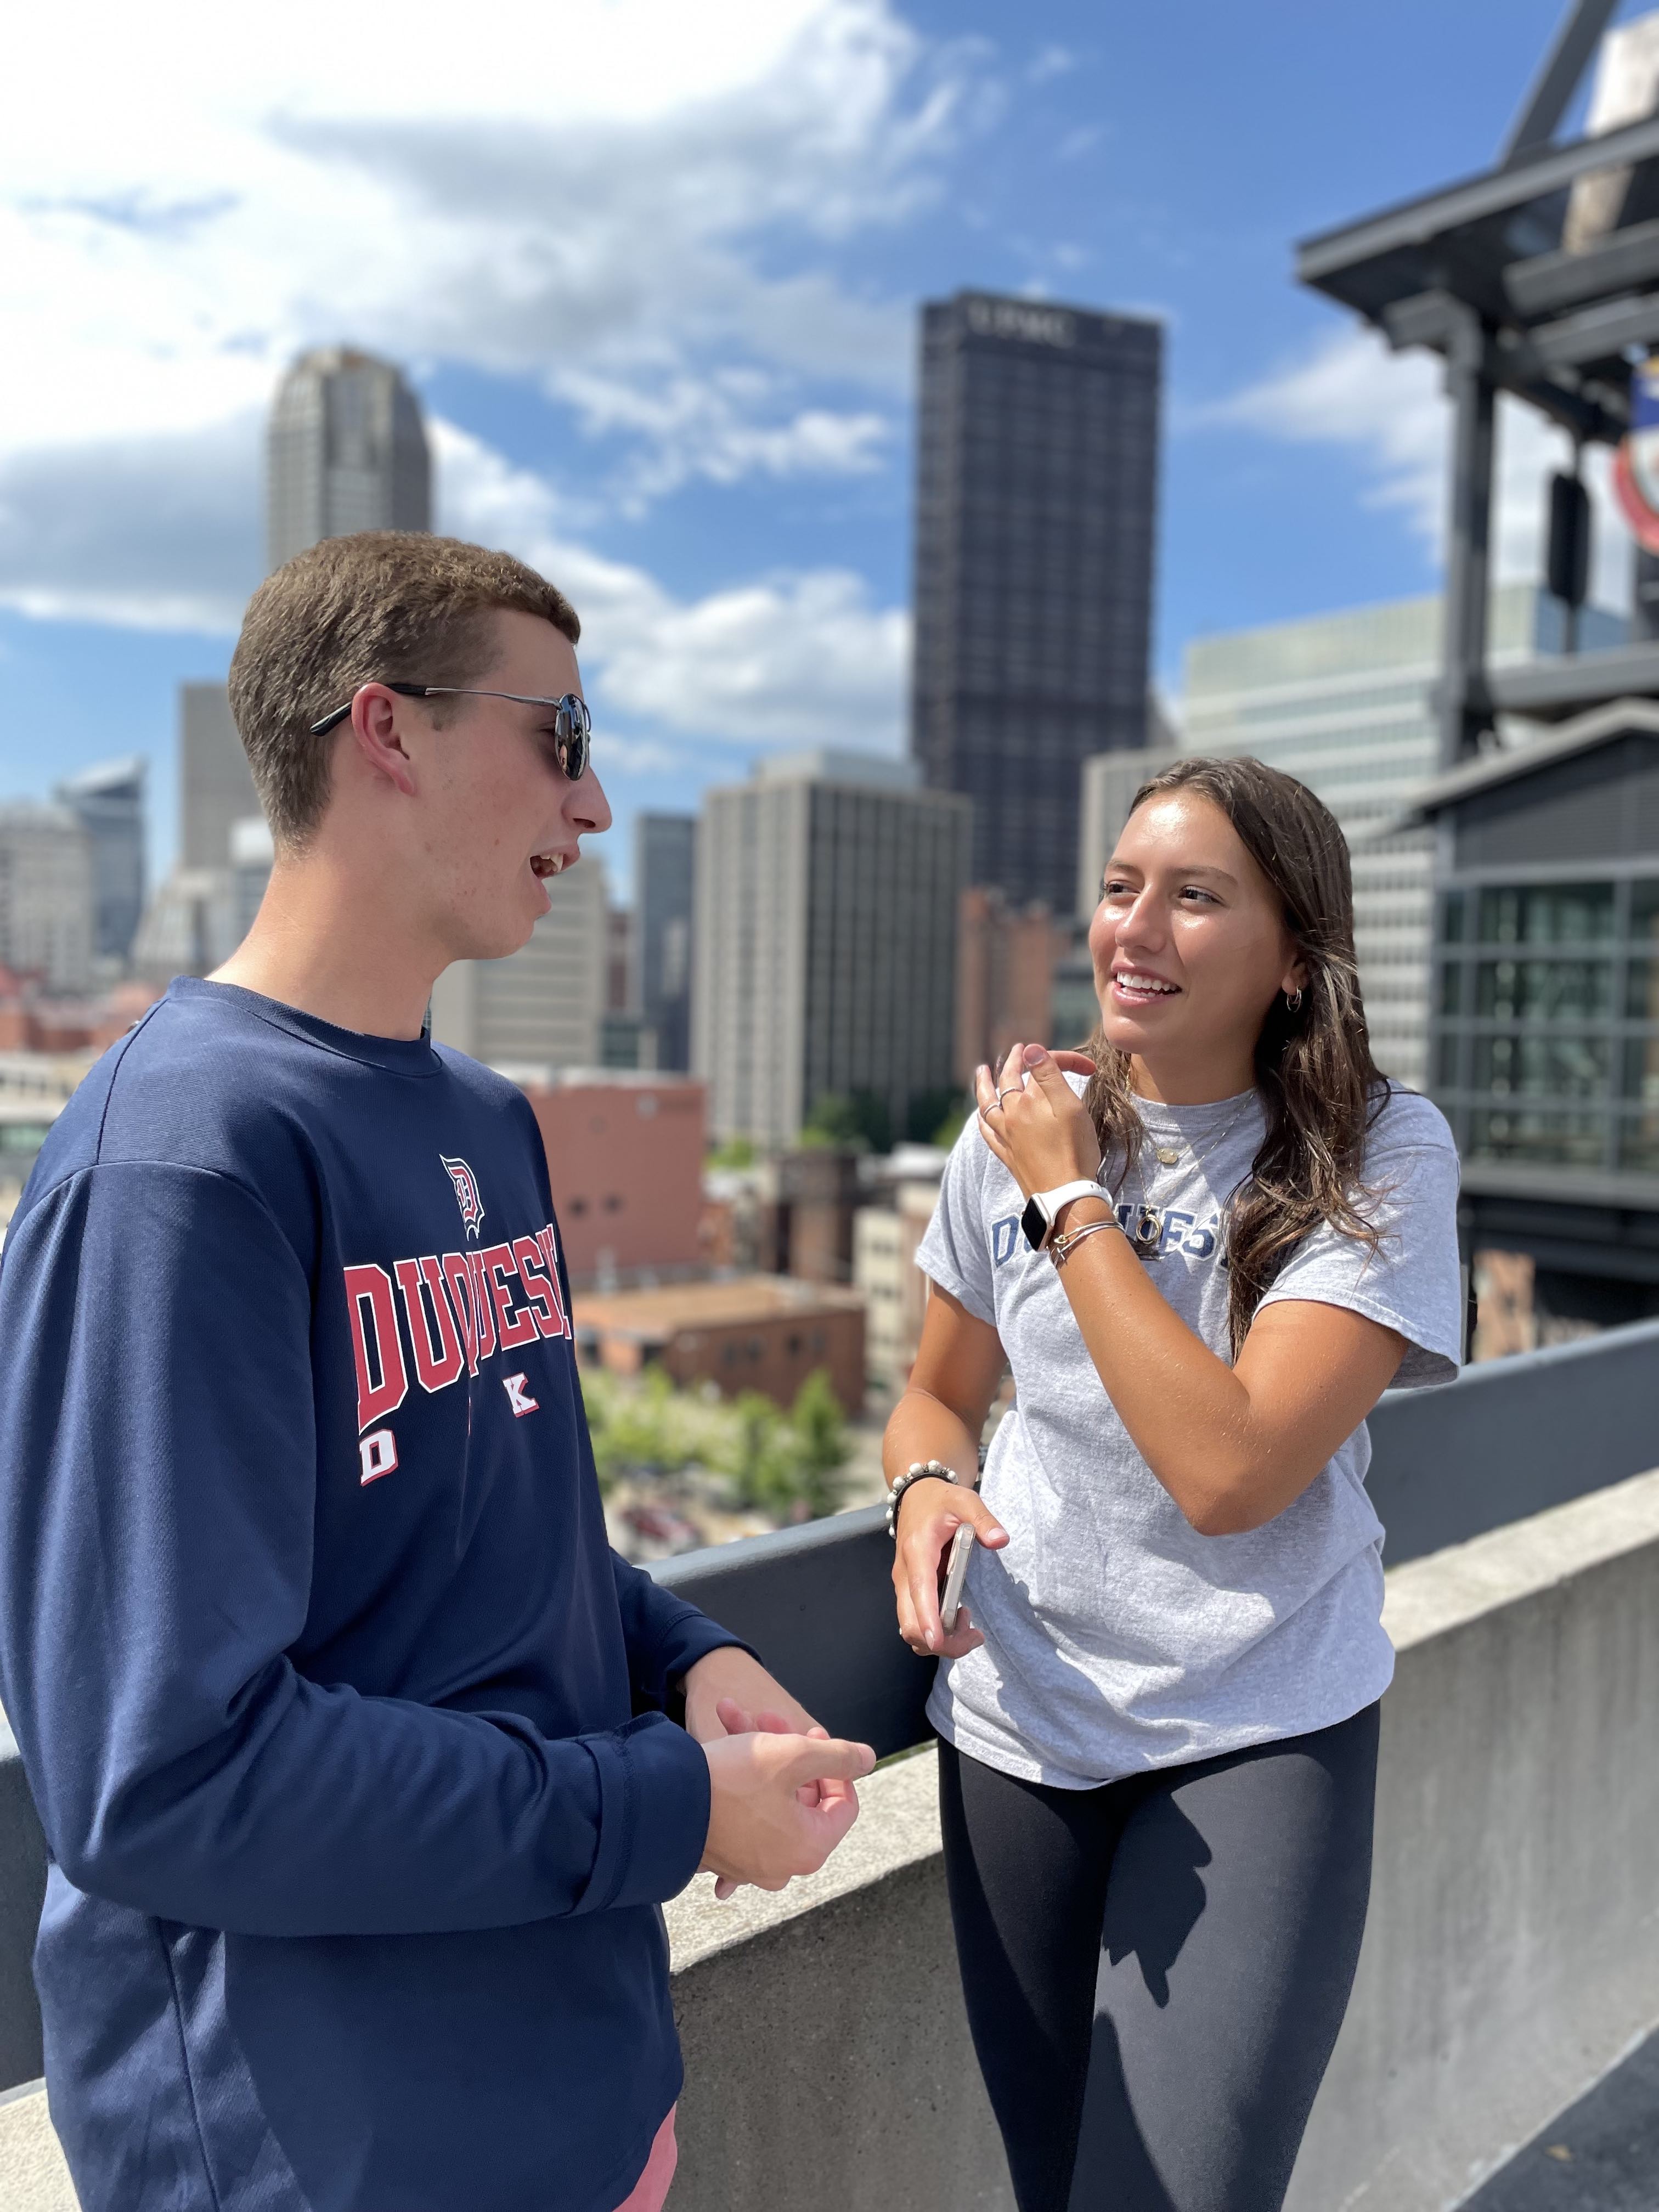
1036	509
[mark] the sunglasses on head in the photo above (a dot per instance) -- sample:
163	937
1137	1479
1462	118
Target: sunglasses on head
573	728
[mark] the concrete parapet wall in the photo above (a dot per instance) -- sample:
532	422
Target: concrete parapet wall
1512	1952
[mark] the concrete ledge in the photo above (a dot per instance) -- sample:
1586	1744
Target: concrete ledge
32	2175
1512	1952
1511	1957
827	2065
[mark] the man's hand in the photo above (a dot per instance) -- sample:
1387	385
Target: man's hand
759	1829
728	1692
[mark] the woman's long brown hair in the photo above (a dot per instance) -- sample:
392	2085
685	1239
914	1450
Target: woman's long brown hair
1319	1085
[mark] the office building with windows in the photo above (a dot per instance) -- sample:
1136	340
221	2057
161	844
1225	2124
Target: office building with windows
108	803
827	894
1037	490
664	864
541	1010
346	450
215	784
47	896
1345	702
1545	1027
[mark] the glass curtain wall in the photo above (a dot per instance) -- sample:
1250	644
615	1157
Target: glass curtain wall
1546	1026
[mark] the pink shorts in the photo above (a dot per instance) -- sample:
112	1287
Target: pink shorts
650	2191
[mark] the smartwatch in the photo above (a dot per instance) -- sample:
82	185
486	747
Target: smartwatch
1038	1219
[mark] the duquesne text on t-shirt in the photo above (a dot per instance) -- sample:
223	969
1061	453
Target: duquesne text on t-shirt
434	1315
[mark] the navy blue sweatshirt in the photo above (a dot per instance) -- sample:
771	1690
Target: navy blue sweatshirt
342	1717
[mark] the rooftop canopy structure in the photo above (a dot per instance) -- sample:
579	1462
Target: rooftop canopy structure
1540	278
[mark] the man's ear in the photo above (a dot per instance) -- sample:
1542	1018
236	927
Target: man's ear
375	716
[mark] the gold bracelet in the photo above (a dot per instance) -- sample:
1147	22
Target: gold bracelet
1061	1248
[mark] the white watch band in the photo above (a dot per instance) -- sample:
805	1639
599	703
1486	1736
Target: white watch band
1050	1202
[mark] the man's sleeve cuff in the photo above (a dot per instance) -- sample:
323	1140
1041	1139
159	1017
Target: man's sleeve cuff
653	1811
694	1638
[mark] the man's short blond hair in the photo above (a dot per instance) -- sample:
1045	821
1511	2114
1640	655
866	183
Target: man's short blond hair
383	605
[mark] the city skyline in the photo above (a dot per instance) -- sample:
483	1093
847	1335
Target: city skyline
711	449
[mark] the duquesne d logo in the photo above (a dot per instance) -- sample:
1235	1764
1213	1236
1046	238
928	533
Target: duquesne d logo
466	1193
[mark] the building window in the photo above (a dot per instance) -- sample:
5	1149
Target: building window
1546	913
1544	990
1546	1045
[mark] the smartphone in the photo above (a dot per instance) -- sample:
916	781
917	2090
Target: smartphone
956	1573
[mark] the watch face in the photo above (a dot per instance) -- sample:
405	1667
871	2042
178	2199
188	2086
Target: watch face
1035	1222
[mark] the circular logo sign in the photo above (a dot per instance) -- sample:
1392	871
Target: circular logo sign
1636	466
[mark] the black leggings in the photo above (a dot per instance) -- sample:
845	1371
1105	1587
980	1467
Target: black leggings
1156	1970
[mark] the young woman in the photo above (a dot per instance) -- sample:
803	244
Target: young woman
1204	1265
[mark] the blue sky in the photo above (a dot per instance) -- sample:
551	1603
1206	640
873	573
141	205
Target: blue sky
655	271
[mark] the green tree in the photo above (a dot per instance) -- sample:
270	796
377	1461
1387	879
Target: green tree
756	1458
834	1119
822	1446
735	1152
950	1126
926	1109
637	1429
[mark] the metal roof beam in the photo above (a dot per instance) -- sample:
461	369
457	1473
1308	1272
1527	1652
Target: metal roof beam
1557	81
1550	282
1597	333
1419	223
1517	365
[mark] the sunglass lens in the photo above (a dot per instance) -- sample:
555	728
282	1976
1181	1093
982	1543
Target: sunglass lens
574	736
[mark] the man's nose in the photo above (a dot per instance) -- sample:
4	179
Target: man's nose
588	810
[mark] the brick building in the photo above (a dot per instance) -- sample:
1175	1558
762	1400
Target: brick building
624	1156
765	1333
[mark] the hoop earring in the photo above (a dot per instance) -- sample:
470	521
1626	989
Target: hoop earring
1293	1000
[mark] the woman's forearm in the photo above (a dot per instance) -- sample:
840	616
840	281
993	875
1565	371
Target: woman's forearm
1186	1411
922	1427
1233	1445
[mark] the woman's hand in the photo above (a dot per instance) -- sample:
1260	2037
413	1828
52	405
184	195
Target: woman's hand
1033	1120
929	1514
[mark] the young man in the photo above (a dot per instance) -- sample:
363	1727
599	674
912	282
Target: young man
345	1726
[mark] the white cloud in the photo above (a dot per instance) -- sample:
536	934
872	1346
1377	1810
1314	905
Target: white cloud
1390	408
1050	61
785	661
592	197
156	531
160	533
704	426
638	209
1076	143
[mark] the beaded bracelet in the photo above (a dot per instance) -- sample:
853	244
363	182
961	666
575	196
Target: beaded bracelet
918	1471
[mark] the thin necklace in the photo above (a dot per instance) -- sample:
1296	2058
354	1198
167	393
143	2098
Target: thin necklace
1148	1222
1168	1153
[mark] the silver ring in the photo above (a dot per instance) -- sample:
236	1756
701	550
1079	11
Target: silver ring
1009	1092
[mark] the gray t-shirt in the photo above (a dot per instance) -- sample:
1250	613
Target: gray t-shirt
1117	1638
